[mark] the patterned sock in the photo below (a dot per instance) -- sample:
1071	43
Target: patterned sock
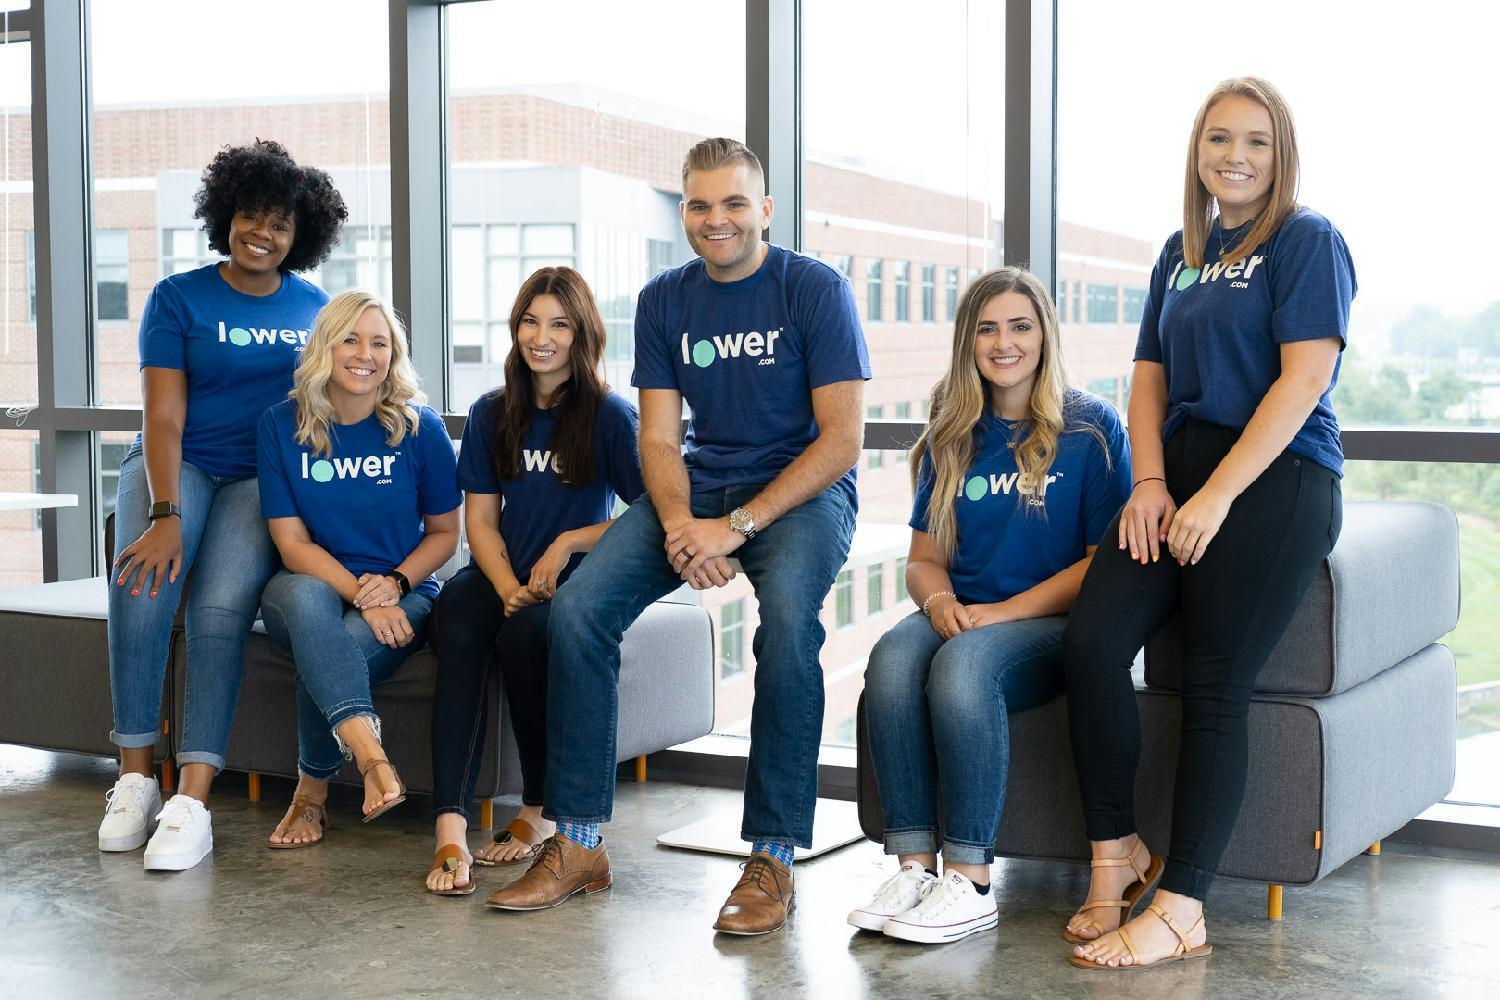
781	852
586	834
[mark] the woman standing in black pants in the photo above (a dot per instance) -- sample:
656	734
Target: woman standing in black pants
1237	464
543	459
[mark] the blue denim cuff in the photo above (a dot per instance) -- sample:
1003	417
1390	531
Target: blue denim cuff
133	741
201	757
911	842
968	854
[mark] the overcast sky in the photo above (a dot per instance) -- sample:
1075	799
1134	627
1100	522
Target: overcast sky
1388	103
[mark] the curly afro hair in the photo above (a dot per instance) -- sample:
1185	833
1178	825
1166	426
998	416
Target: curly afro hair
264	176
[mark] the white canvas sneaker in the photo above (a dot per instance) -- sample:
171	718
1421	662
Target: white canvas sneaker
184	836
129	808
898	894
951	911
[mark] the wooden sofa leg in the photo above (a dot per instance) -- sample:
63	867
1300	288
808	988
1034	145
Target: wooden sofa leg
167	782
1273	902
253	785
1374	849
486	813
640	768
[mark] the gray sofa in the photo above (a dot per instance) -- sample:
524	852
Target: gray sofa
54	691
1351	727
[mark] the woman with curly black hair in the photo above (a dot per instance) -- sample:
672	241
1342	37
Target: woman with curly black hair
218	346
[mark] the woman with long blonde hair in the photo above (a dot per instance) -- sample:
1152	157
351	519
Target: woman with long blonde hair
1016	477
1237	466
358	484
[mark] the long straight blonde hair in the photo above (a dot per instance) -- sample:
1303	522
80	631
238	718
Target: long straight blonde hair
310	382
1198	206
961	399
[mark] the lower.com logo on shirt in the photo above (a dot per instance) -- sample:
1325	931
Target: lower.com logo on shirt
376	467
979	487
241	336
753	344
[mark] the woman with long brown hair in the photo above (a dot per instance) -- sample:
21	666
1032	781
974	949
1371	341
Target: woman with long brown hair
1237	466
544	458
1016	477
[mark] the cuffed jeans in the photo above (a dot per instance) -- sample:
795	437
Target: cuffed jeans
791	564
338	660
936	713
227	557
474	639
1235	604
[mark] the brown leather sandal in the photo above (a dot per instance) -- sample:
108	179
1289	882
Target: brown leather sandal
448	858
1145	881
303	805
517	830
384	807
1181	953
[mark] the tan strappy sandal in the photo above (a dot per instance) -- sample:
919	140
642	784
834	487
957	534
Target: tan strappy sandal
520	832
1182	953
1144	882
448	858
301	805
384	807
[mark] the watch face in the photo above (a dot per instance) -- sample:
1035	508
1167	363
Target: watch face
740	520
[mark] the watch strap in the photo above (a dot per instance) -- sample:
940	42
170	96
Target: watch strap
401	580
163	508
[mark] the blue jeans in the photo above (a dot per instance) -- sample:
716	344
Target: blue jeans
230	555
338	660
936	716
791	565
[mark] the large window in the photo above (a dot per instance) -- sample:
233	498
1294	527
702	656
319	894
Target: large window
873	270
903	291
929	293
1104	303
152	137
574	160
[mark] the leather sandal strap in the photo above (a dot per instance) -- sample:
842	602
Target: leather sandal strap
1166	918
1095	904
1135	958
372	764
439	860
1110	863
524	832
301	802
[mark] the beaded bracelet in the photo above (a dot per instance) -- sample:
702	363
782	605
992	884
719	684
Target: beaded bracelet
937	593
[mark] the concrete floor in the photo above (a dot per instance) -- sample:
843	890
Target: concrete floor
350	918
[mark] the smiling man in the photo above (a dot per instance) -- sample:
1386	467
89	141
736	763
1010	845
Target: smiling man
766	348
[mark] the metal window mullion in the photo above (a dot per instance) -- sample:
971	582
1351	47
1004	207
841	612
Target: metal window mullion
419	244
773	108
62	205
1030	224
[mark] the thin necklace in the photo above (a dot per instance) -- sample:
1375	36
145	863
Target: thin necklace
1237	231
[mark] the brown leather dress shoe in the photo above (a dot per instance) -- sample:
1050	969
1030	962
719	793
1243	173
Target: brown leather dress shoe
564	868
761	899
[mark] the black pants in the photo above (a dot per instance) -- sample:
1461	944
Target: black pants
1234	604
472	637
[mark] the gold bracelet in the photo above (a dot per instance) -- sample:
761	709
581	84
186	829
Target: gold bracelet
937	593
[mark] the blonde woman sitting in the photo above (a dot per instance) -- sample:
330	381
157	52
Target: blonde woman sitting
1017	478
358	484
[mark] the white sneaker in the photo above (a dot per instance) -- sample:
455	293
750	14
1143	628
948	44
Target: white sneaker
900	893
950	911
184	836
128	811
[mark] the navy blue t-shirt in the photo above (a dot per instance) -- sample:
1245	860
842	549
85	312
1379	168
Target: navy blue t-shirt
746	356
238	352
1218	330
1009	543
364	503
538	506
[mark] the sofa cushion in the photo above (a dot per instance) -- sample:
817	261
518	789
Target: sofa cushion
1328	776
54	669
1389	588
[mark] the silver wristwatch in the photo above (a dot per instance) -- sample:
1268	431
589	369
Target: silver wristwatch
743	521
